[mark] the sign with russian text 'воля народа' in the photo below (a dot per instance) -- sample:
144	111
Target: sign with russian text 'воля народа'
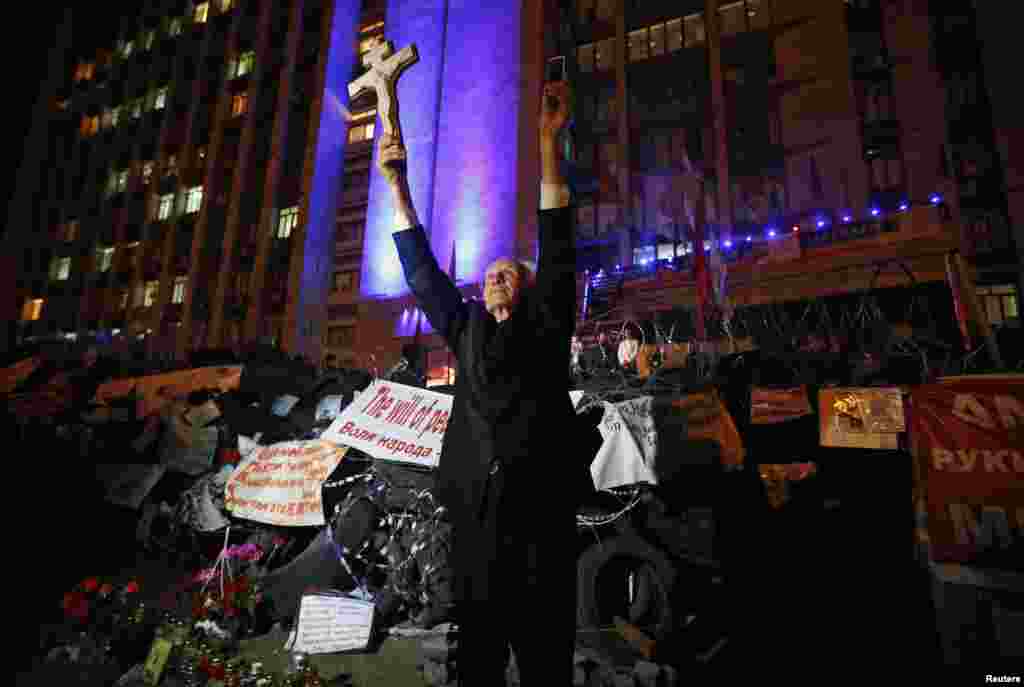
394	422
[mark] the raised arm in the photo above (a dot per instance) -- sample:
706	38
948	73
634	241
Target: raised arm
556	264
440	300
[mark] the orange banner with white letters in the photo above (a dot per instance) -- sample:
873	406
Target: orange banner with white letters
967	436
157	391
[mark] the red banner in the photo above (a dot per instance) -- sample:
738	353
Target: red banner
967	435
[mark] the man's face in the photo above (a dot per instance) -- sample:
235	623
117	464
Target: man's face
502	284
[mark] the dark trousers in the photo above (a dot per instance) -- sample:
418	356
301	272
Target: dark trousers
530	605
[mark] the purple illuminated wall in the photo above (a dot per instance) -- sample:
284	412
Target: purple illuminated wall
325	183
460	117
419	90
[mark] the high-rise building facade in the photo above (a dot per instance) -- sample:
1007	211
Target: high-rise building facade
206	182
823	148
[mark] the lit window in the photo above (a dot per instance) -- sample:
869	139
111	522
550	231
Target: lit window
225	5
200	12
344	282
694	30
232	71
239	104
245	62
341	336
90	125
289	220
112	183
179	290
372	27
84	71
360	132
166	203
999	302
69	231
149	295
193	199
104	259
674	35
161	98
174	28
124	300
32	310
60	269
147	40
108	118
147	172
135	108
115	115
122	181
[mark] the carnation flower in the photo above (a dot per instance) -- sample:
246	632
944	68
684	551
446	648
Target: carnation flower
90	584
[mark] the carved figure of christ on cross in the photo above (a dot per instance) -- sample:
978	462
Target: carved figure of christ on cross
385	68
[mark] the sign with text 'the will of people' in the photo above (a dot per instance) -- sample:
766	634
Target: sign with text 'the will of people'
394	422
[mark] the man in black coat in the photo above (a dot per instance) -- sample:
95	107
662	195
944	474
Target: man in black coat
509	490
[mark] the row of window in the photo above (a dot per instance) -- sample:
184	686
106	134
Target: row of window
112	116
172	26
674	35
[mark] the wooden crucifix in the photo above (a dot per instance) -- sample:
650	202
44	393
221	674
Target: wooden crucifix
385	67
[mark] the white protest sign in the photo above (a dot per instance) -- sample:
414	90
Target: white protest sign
280	484
395	422
630	445
576	396
329	623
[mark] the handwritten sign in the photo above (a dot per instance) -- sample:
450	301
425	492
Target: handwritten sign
281	484
394	422
630	445
330	623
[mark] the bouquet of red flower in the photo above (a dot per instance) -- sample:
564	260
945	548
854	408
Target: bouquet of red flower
232	601
92	601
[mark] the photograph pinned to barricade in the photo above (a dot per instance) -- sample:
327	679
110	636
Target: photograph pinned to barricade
854	417
331	622
281	484
769	406
395	422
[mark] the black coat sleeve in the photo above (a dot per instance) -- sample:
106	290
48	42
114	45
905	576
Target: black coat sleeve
555	290
440	300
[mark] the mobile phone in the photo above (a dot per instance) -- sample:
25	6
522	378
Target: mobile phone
556	69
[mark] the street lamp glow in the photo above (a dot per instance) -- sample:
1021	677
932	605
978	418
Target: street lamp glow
875	212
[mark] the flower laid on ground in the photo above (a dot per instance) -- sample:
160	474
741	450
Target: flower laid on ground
90	584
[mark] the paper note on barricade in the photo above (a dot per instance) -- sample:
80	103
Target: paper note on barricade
630	445
394	422
331	623
280	484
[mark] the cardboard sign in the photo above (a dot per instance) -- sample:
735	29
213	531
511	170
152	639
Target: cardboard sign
967	438
770	406
159	391
394	422
281	484
330	623
861	417
630	445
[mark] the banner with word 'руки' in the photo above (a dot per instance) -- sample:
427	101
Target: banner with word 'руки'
967	437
